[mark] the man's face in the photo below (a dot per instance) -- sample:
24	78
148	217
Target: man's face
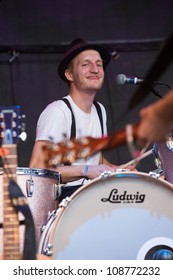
87	71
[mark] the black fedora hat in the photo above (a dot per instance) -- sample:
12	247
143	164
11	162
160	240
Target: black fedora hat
77	46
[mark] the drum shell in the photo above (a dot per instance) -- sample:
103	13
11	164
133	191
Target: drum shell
102	222
166	157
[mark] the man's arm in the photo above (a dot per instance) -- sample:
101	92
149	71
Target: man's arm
70	172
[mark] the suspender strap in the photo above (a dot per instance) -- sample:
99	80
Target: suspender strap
99	112
73	126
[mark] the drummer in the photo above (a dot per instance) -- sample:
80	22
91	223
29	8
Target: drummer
77	115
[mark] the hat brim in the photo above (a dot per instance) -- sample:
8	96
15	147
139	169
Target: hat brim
104	53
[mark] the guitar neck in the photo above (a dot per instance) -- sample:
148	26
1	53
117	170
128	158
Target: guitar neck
11	250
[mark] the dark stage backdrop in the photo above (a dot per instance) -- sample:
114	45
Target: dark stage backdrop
34	35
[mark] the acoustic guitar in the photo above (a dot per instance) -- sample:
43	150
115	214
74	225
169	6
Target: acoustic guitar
70	150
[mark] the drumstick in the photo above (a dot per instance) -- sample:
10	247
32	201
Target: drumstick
136	160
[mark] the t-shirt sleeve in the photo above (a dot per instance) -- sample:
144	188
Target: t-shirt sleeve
53	124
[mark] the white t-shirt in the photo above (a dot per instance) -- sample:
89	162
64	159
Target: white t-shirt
55	122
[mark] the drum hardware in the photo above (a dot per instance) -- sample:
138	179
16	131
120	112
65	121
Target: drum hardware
169	142
105	174
29	187
156	173
49	216
58	189
65	202
42	228
118	170
47	250
157	160
158	163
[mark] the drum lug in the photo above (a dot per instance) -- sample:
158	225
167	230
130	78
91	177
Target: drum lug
156	173
52	214
121	170
42	228
29	187
47	251
57	190
64	202
105	174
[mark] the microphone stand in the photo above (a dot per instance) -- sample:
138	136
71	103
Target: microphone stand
163	84
156	92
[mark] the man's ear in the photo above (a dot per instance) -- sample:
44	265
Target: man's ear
69	75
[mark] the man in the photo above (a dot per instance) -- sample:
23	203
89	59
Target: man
82	67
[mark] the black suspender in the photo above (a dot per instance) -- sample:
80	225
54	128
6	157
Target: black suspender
73	126
99	112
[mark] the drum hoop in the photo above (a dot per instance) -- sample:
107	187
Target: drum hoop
128	174
35	171
46	230
38	171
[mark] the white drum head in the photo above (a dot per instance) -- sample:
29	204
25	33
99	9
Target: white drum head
112	218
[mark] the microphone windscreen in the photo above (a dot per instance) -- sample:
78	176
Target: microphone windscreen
121	79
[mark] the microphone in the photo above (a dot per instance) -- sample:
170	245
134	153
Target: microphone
122	79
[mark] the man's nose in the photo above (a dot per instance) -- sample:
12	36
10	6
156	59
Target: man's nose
94	68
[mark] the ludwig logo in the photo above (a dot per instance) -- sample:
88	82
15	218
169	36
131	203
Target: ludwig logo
124	197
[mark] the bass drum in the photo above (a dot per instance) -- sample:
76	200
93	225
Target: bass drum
124	215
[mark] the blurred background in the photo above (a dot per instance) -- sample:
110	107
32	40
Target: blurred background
33	38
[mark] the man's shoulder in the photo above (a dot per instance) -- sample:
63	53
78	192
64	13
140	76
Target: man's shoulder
58	104
55	109
99	104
